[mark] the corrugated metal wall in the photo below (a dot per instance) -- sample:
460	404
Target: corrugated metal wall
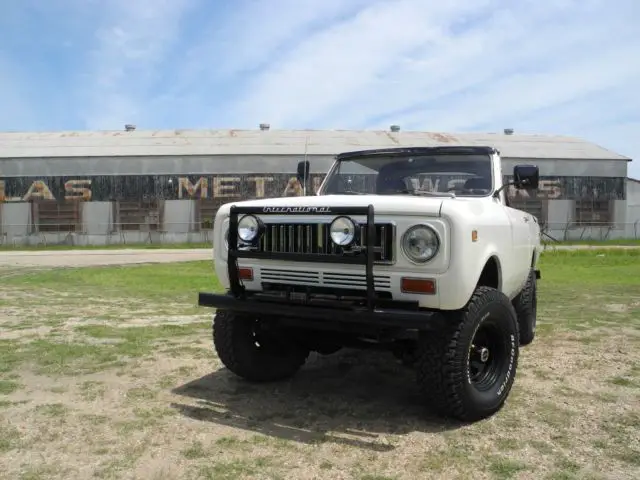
248	164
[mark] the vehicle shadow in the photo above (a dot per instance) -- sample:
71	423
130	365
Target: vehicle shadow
354	398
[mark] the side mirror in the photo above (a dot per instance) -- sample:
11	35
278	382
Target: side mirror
526	176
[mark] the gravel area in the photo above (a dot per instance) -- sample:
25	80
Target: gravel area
87	258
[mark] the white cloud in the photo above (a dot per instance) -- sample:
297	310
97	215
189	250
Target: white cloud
252	34
456	66
396	55
352	64
233	47
132	42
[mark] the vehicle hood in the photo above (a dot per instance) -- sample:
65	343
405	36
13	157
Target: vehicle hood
383	204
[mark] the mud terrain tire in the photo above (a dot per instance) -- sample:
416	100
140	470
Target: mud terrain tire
526	309
447	365
252	354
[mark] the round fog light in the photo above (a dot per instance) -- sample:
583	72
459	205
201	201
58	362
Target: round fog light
342	231
248	228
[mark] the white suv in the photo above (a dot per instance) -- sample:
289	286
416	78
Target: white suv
414	250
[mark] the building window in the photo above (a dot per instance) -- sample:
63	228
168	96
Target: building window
51	216
142	215
206	209
594	213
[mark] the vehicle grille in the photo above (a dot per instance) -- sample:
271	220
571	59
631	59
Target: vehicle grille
314	238
281	276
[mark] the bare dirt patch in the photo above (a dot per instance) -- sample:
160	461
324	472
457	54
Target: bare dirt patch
175	412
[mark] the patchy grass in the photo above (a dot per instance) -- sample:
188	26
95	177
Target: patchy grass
177	282
59	357
110	371
10	438
194	451
595	243
8	386
53	410
504	468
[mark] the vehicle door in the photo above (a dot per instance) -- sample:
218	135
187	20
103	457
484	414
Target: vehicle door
521	237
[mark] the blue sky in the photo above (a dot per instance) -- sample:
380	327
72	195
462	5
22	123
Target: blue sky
562	66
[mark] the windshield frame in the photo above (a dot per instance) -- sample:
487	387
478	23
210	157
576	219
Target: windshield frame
399	152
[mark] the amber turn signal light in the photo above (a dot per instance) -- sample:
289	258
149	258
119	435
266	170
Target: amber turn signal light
245	273
424	286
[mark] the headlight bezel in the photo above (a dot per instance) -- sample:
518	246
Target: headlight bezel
404	241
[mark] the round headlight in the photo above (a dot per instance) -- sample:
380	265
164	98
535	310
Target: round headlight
248	228
342	231
420	243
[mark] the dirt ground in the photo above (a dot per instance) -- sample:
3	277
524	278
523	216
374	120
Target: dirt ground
95	386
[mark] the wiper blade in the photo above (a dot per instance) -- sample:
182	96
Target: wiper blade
417	193
351	192
427	193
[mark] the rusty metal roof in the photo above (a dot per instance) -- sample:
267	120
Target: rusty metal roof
281	142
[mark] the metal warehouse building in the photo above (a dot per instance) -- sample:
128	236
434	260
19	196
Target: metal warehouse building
134	185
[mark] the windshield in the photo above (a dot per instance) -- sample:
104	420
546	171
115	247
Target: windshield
462	175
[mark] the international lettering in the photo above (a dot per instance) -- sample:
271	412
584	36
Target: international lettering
296	210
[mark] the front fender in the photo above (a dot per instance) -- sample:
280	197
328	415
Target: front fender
480	230
467	264
492	256
220	226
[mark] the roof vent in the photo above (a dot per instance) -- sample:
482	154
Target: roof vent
129	127
508	131
395	128
264	126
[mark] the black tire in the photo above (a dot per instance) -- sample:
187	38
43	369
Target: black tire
327	349
526	309
405	352
444	373
253	354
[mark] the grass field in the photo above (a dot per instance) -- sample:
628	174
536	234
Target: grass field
109	373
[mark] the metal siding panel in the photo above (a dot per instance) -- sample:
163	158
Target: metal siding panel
241	165
633	193
569	167
228	164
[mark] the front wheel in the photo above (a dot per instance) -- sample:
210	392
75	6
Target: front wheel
467	370
255	353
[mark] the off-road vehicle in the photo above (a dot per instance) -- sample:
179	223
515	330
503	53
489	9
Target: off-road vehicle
414	250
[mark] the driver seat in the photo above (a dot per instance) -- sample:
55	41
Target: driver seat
386	184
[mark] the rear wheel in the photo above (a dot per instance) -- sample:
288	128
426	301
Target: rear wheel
467	370
526	309
253	352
